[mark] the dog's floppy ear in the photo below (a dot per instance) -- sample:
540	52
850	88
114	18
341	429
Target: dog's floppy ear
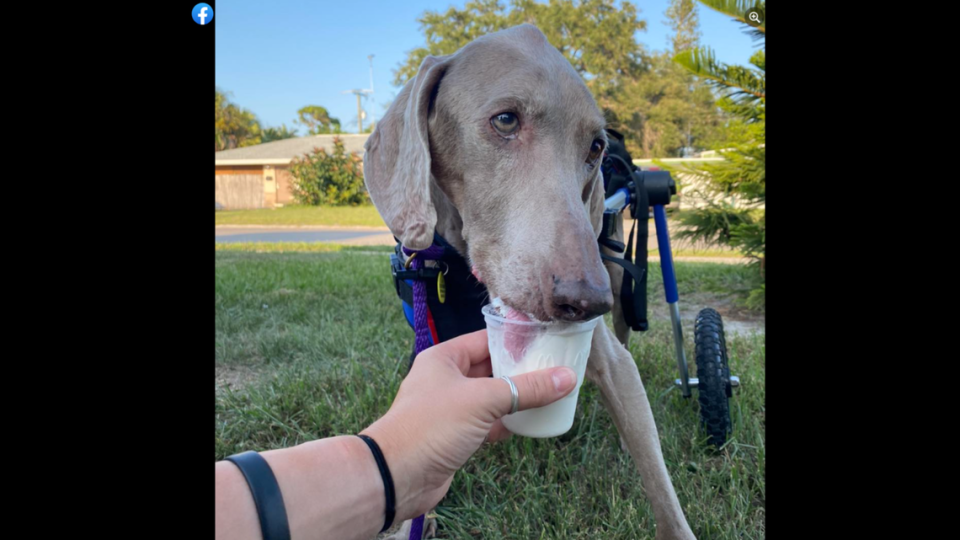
396	165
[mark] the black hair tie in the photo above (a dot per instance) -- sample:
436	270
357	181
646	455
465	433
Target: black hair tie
387	481
266	494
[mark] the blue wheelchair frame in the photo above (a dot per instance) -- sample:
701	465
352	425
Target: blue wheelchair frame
616	203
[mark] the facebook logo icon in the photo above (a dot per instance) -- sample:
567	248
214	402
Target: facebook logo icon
202	14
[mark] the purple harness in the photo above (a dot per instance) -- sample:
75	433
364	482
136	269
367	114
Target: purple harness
421	330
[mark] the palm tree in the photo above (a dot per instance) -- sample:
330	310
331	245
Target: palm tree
235	127
736	82
276	134
317	120
735	187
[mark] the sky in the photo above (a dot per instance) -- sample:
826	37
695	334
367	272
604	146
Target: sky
275	57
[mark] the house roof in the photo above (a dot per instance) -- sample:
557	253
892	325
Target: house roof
281	152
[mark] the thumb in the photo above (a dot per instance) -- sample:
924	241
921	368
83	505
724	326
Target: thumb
536	389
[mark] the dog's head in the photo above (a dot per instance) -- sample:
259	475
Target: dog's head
507	133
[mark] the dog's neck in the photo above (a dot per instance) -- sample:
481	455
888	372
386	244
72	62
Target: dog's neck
449	223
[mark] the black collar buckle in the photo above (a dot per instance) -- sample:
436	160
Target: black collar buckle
401	274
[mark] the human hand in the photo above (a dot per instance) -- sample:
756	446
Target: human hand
446	407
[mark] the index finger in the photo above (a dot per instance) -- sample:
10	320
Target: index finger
466	350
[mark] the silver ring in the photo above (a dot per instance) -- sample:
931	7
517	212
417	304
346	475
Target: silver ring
514	395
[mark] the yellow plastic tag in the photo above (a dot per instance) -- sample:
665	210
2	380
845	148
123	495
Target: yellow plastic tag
441	288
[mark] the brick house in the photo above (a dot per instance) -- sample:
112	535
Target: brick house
259	177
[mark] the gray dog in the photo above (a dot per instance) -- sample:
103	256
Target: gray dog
497	149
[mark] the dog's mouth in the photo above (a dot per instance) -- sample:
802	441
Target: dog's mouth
518	338
503	309
511	313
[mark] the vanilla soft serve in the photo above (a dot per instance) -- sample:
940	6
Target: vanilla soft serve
522	346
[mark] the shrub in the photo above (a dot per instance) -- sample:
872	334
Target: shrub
334	179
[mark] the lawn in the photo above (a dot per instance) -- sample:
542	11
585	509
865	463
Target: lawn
298	247
312	345
341	216
327	247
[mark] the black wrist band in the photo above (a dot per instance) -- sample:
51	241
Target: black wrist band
266	494
387	480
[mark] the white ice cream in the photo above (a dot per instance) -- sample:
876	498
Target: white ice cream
555	345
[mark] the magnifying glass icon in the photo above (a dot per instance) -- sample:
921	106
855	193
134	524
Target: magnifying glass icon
754	17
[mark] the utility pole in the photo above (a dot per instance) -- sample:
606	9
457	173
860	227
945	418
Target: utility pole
372	109
359	92
363	92
359	115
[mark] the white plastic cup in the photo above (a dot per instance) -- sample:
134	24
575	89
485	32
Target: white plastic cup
539	345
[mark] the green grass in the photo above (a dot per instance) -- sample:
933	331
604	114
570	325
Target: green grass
327	247
343	216
298	247
698	253
324	335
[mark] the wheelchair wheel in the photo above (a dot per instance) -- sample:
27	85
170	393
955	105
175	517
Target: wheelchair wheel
713	375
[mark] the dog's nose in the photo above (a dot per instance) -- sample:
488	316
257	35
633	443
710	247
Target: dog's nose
578	300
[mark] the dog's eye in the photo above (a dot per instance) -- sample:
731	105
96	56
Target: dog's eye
595	150
506	123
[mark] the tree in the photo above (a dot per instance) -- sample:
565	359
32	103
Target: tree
317	120
447	32
657	118
235	127
595	36
664	111
738	183
329	179
277	134
683	19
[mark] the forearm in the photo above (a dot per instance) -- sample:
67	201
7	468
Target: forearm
331	489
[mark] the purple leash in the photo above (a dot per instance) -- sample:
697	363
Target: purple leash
421	330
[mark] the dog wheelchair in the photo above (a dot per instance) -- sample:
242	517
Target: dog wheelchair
627	186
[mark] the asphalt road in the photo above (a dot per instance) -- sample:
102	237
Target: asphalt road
287	234
383	237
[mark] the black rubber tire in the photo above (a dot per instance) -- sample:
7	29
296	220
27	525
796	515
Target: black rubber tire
713	373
